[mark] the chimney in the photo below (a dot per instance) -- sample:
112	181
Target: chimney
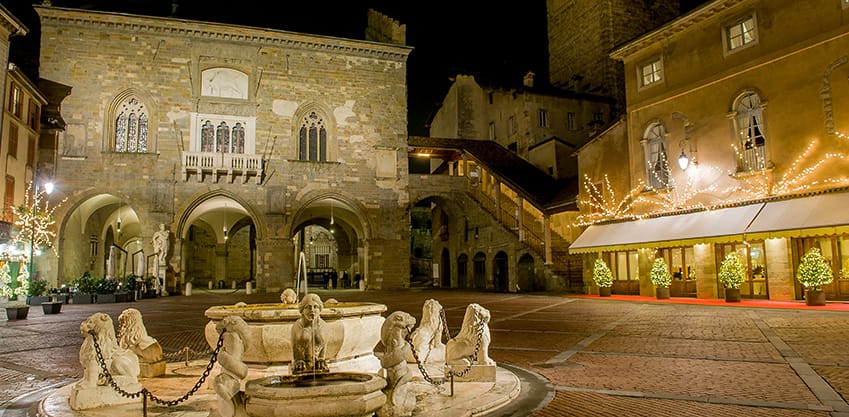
528	80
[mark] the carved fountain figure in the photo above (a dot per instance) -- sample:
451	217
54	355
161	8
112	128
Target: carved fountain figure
308	343
132	335
311	389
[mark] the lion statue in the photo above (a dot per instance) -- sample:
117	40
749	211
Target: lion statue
121	363
132	335
427	338
93	390
288	296
461	349
393	335
400	400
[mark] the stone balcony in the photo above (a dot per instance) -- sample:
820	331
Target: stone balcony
221	164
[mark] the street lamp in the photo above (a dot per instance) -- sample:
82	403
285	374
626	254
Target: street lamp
48	188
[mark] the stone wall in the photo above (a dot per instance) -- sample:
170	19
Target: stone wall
581	33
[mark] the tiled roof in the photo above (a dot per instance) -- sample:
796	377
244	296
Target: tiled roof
542	190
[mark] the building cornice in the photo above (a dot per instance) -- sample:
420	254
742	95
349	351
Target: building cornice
11	23
673	28
212	31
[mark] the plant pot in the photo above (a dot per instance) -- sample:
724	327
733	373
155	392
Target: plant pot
35	300
604	291
732	295
51	307
122	297
815	297
82	298
105	298
17	313
662	293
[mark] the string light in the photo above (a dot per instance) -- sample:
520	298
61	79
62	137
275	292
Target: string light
799	178
36	226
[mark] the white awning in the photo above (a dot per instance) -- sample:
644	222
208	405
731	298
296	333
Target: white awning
722	225
810	216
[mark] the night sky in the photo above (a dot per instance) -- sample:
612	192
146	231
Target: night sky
502	38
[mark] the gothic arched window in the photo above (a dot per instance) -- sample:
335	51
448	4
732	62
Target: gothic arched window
207	137
312	138
222	138
131	127
238	139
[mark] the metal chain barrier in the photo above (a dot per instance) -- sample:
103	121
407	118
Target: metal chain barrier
185	354
144	392
451	374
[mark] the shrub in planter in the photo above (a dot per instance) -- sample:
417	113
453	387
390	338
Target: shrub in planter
85	284
731	276
38	292
661	278
601	274
659	274
814	272
602	277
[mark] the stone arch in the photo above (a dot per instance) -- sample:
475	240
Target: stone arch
193	203
87	226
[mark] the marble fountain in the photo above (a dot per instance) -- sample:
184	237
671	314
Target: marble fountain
267	368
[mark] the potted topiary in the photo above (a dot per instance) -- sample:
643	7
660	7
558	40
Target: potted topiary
14	291
814	272
731	275
661	278
602	277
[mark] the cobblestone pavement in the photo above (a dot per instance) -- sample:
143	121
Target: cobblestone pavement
578	356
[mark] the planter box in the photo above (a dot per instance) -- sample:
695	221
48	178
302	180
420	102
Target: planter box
38	299
82	299
17	313
122	297
105	298
51	307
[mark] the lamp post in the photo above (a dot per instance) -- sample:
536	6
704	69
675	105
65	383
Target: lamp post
48	188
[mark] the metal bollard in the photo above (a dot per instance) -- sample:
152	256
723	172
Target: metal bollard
249	288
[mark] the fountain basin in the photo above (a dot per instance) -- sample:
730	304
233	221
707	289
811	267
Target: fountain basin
319	395
352	331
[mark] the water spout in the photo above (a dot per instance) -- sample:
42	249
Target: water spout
301	276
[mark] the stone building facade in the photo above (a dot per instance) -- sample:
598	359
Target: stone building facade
754	107
581	33
235	138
